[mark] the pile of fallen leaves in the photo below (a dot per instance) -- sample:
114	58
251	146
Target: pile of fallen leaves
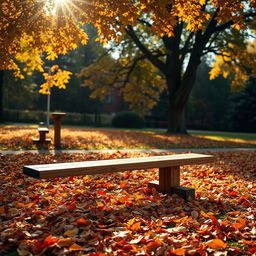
116	214
20	138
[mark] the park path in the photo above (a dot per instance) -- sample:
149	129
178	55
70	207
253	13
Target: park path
175	150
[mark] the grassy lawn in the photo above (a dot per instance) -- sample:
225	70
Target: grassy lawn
225	135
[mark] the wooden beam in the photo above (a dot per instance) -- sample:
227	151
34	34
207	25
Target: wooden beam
115	165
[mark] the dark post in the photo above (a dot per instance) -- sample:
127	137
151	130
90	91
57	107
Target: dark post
57	117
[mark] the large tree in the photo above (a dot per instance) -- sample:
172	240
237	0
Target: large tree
186	30
173	36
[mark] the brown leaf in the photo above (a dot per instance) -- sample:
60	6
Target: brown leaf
65	242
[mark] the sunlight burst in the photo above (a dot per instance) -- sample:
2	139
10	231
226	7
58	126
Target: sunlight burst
58	2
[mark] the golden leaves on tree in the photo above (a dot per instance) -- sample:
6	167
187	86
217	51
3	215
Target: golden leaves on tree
56	77
141	88
236	62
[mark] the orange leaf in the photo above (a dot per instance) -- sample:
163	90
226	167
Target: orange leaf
135	226
240	225
152	246
2	209
250	242
217	244
83	221
65	242
234	213
75	247
180	251
100	204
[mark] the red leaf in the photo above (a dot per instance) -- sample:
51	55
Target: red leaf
252	250
49	240
233	193
214	220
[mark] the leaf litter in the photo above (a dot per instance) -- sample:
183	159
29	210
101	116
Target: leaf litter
116	214
74	138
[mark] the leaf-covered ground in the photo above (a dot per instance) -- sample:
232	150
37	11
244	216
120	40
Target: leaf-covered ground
116	214
17	138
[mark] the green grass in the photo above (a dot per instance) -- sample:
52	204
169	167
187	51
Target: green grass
228	135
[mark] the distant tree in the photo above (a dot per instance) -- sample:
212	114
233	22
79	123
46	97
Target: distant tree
209	103
242	116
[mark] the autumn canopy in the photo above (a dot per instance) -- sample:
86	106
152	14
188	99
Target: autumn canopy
186	31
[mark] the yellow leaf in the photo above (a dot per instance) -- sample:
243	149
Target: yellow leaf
217	244
86	178
130	222
204	214
71	232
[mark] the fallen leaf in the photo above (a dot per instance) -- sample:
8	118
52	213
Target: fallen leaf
75	247
71	232
65	242
216	244
152	246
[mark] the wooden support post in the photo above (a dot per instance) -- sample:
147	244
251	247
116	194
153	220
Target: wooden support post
42	142
169	183
168	177
57	117
42	136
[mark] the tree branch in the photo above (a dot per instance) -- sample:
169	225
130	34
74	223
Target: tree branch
145	22
185	48
152	58
230	22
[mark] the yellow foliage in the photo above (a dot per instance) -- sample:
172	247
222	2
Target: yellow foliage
56	29
236	62
30	28
55	77
141	90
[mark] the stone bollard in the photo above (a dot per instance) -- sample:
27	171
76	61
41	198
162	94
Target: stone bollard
57	117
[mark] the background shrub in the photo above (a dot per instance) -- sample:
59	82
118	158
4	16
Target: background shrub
128	119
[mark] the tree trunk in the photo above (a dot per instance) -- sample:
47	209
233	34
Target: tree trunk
176	119
179	92
1	96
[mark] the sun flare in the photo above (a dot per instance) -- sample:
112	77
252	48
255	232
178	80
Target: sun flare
58	2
